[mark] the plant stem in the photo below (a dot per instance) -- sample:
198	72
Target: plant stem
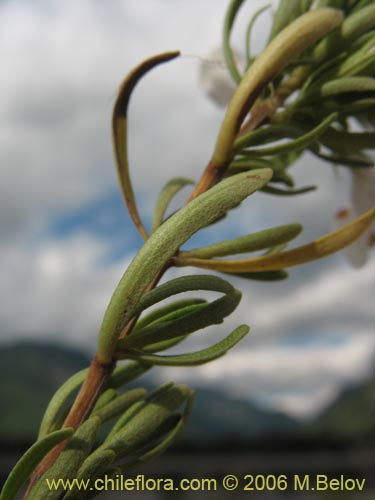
98	375
262	112
95	383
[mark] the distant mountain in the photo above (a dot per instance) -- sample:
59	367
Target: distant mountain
351	416
217	418
30	373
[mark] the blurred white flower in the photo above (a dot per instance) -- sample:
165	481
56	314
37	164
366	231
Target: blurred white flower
362	200
215	78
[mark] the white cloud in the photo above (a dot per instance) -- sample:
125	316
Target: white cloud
299	381
56	290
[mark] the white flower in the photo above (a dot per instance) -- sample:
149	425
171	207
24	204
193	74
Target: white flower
216	79
362	200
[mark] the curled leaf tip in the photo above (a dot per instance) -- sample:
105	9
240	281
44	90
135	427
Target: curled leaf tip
119	132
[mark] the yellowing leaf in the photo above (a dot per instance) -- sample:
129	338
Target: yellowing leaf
317	249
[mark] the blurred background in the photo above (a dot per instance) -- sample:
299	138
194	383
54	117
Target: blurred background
298	393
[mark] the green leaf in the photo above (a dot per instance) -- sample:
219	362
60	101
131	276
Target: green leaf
119	133
362	4
298	144
351	160
288	11
287	192
119	405
230	16
267	134
334	88
124	374
125	418
168	192
204	315
58	400
164	344
348	142
351	29
183	284
314	250
120	376
28	462
278	163
91	469
143	425
194	358
283	49
163	244
69	460
249	30
169	440
106	397
249	243
178	307
266	276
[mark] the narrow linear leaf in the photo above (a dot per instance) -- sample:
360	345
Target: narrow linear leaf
25	466
265	276
91	469
143	425
298	144
352	28
119	132
249	30
168	192
125	418
284	48
340	86
162	389
58	400
207	314
164	344
317	249
356	106
195	358
249	243
181	285
124	374
287	192
348	141
69	460
230	16
120	404
361	4
173	315
158	314
267	134
353	160
169	440
136	408
288	11
106	397
163	244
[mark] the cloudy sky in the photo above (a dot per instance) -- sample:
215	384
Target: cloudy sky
66	238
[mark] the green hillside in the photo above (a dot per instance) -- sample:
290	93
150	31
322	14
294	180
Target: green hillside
29	375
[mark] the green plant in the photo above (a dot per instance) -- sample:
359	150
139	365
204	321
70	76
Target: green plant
314	78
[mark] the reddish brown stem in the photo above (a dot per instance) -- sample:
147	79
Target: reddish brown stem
95	383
